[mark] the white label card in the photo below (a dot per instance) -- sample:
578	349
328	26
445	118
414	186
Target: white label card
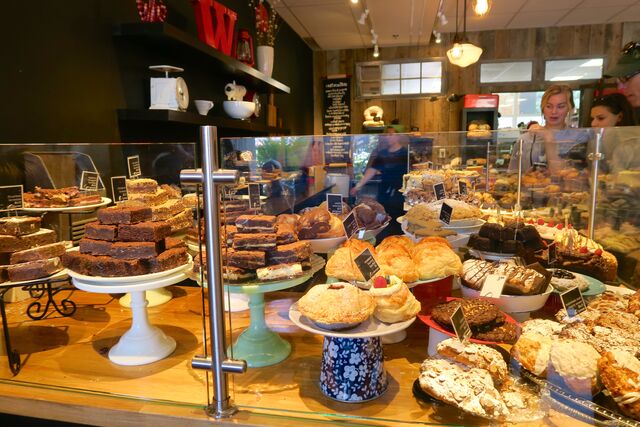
493	285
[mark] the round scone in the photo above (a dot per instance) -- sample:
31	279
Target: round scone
336	306
620	374
576	363
532	351
395	303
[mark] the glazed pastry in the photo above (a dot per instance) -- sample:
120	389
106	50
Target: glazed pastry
576	363
342	264
533	351
475	356
434	259
403	241
337	306
394	303
620	374
395	260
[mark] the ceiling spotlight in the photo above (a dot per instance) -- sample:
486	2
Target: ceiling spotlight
354	1
376	51
443	19
363	17
437	37
481	7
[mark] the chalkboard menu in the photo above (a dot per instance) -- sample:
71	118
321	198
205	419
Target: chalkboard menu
336	118
337	150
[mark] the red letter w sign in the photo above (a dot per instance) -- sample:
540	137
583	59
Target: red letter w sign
215	29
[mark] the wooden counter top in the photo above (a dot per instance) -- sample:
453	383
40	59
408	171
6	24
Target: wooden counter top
67	376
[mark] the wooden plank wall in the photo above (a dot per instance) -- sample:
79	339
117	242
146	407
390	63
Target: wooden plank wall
441	115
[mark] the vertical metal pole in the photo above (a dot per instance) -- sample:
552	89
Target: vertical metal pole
595	158
518	206
222	401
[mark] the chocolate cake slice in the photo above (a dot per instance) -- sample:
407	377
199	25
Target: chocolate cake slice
259	241
52	250
144	231
256	223
19	225
246	259
291	253
124	214
97	231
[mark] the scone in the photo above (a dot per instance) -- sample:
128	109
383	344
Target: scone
336	306
471	391
395	260
576	363
434	259
403	241
394	303
533	351
620	374
475	356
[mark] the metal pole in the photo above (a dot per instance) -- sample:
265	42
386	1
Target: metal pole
595	158
518	206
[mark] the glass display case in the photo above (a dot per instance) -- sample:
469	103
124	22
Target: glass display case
294	232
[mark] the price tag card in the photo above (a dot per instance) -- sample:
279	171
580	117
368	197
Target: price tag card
572	301
460	325
438	189
493	285
367	264
119	188
462	188
351	226
89	181
254	195
445	213
11	198
552	253
334	203
429	165
133	163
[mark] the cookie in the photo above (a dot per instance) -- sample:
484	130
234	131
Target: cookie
504	333
477	312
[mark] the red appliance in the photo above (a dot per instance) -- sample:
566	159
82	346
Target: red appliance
243	50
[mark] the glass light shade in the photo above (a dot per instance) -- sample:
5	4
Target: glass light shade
481	7
464	54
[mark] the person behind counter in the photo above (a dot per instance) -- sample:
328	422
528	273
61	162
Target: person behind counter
619	146
545	146
390	162
627	71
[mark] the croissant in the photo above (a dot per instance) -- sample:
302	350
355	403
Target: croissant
394	259
435	260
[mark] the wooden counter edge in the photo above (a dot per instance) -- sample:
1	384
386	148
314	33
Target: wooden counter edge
95	409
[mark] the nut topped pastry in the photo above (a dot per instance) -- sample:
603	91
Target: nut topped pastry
620	374
475	355
336	306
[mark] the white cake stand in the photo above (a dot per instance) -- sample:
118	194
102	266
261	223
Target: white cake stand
143	343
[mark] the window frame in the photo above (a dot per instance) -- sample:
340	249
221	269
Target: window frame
440	59
543	70
501	61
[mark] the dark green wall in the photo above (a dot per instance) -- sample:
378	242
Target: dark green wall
64	75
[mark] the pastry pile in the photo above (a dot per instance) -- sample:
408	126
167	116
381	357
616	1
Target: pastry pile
28	252
475	379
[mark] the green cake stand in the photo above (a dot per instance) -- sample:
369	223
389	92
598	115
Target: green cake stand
259	345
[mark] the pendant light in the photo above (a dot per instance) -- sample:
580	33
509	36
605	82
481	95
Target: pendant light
463	53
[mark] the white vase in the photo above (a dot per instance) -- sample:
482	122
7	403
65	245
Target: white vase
265	59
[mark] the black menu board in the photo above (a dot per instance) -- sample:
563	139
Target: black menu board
573	302
254	195
337	150
445	213
11	197
334	203
460	325
133	163
89	181
350	223
336	119
119	188
367	264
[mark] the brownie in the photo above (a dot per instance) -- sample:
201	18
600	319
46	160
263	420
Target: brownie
153	199
144	231
167	260
97	231
480	243
490	231
91	265
503	333
44	236
167	210
95	247
529	234
256	223
124	215
511	232
290	253
5	257
511	247
34	269
141	185
173	242
174	192
477	312
136	250
258	241
285	234
19	225
181	221
246	259
52	250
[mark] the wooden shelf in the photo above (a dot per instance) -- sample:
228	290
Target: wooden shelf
185	117
167	36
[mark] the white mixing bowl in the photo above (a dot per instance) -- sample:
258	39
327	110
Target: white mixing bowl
239	109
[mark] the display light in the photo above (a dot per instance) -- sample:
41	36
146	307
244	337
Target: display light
481	7
376	51
463	53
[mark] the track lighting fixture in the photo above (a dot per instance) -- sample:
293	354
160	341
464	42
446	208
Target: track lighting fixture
363	17
376	51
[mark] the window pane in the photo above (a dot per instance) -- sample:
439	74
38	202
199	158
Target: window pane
370	88
432	69
410	71
496	72
390	87
411	86
431	85
391	71
573	69
370	72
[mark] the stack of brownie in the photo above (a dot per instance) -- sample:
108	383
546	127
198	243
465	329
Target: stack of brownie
515	238
125	241
258	247
28	252
231	209
165	202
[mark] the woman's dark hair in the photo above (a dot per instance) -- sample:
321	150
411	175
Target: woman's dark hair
616	103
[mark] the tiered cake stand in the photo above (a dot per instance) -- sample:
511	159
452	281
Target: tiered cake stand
143	343
258	344
352	369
